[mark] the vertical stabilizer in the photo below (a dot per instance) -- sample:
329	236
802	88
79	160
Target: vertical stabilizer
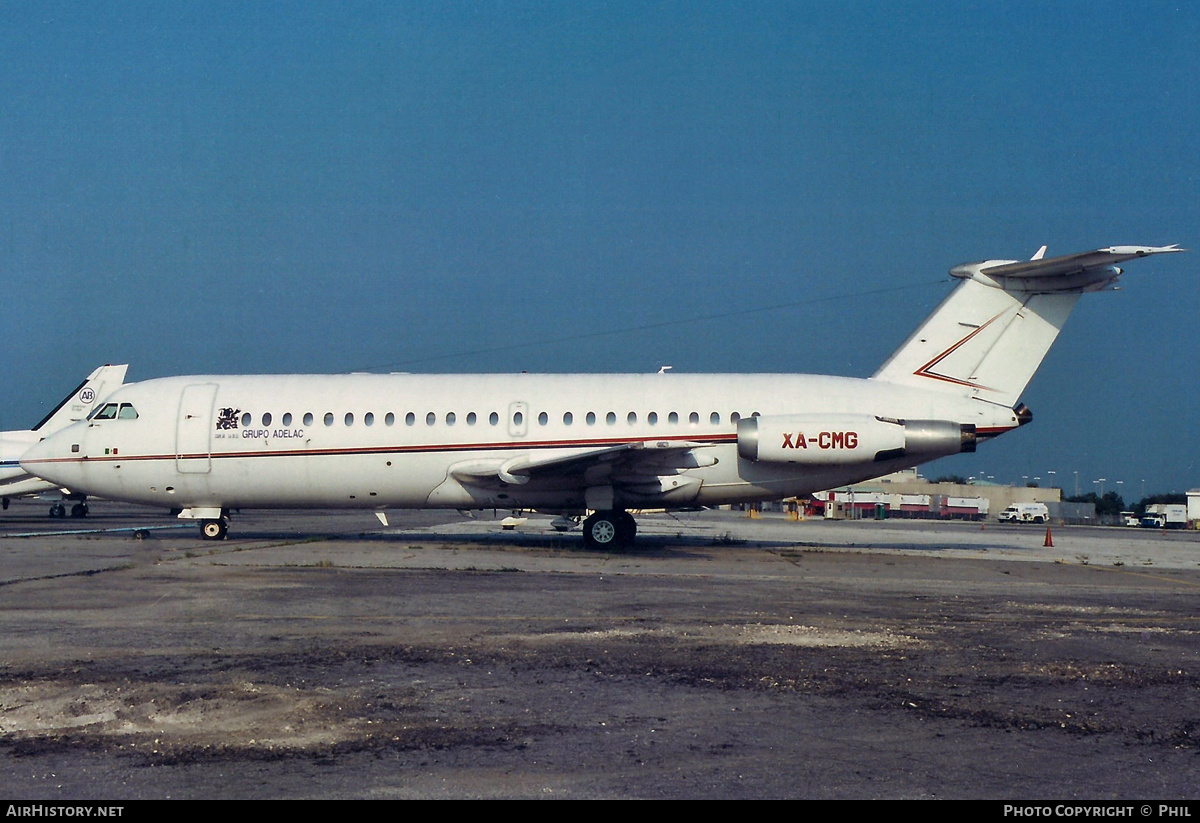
80	402
988	337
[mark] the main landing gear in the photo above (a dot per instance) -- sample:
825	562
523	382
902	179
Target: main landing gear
78	510
609	530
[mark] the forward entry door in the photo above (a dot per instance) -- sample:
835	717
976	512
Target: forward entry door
193	431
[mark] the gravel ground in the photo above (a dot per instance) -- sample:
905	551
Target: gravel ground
324	656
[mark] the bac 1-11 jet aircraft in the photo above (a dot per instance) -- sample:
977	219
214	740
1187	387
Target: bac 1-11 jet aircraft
572	443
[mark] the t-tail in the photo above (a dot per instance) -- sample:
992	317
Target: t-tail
988	337
82	399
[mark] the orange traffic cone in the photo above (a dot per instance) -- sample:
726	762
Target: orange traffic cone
1049	540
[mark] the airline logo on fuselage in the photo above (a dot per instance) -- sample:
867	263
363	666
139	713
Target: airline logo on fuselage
824	440
227	418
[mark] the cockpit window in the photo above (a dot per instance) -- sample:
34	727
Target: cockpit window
113	411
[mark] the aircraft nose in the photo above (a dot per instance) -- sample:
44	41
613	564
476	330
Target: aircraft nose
52	459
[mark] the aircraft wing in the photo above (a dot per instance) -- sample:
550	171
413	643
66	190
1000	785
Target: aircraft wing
26	485
640	457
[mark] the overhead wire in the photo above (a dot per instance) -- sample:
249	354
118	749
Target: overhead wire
660	324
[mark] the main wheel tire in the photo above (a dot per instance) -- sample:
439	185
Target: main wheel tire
609	530
79	510
600	531
213	529
58	510
628	524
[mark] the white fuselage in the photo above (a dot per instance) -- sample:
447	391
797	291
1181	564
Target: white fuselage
414	441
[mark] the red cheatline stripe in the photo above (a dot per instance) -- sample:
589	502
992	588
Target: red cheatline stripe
415	449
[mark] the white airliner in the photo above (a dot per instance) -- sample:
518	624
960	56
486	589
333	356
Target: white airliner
15	481
570	443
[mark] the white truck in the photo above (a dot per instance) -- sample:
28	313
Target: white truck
1025	513
1165	516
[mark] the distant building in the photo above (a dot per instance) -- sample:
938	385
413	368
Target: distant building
1193	508
908	495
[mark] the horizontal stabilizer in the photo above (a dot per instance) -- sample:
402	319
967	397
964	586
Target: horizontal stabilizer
1084	271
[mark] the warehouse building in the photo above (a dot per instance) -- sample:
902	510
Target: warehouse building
908	495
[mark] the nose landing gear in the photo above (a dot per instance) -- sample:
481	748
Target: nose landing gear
214	529
77	510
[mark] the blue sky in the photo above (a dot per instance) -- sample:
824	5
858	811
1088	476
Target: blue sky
507	186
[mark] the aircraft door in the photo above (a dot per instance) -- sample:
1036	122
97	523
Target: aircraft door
518	418
193	430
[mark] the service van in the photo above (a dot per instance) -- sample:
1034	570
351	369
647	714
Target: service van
1025	513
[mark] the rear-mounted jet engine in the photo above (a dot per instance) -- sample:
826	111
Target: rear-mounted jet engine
849	438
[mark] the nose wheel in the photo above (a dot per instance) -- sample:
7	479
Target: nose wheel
610	530
214	529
